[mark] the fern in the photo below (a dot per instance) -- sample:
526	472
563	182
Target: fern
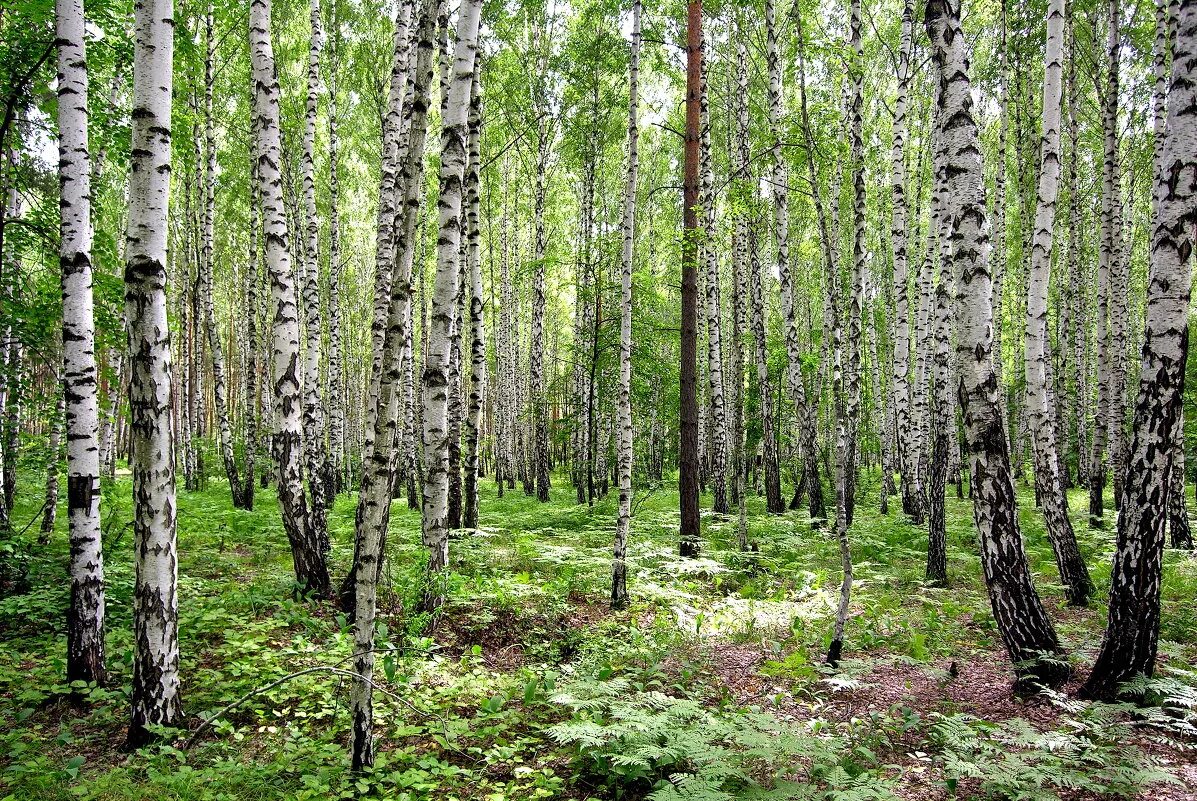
1088	754
677	749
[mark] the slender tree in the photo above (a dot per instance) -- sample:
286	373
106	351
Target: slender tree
1040	406
619	568
473	422
1132	630
454	140
1025	628
85	616
155	693
688	466
310	559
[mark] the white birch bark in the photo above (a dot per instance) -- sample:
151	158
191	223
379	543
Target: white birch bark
435	384
311	567
155	692
315	444
1132	632
1021	619
1040	410
473	420
85	615
619	569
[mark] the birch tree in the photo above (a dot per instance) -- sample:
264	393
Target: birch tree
1025	628
310	559
1132	630
155	691
454	138
619	568
85	616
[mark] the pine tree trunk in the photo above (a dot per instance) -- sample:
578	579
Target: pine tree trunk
688	465
1132	631
311	567
85	615
1025	628
155	690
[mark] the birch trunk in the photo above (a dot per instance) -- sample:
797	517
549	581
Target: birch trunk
208	191
311	567
718	417
1026	630
1052	497
374	499
454	138
85	616
1132	632
1106	272
357	592
780	178
337	452
473	422
388	199
155	690
315	446
619	568
907	456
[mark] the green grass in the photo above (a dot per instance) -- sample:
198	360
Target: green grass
525	617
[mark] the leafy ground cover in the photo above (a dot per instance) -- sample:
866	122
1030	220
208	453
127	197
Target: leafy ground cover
711	686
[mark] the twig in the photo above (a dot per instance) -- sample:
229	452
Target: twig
336	671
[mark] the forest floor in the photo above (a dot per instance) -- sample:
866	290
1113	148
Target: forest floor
527	686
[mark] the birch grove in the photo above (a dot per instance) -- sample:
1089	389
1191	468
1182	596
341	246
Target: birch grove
777	273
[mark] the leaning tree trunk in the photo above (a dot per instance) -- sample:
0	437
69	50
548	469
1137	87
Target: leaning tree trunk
1025	628
85	615
155	692
1133	627
311	566
619	568
454	136
388	198
1040	410
359	592
375	489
